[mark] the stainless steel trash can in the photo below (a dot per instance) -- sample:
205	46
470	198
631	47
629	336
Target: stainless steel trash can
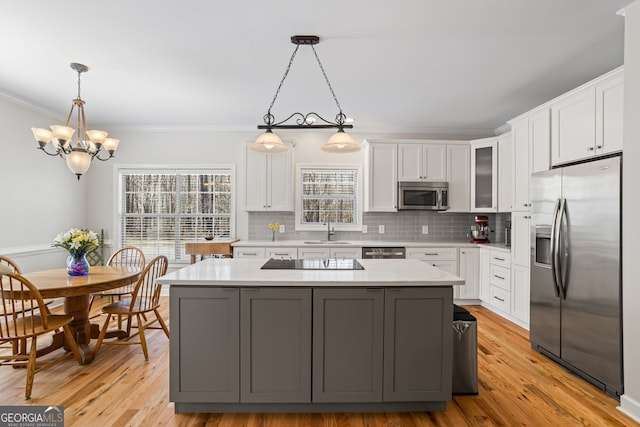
465	352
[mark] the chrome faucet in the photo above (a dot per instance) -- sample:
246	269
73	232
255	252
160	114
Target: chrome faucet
330	232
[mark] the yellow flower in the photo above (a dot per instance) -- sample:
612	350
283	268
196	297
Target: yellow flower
274	226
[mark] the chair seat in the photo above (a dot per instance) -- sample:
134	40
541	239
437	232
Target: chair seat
123	307
54	321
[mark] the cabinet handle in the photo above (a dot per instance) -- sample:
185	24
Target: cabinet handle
499	277
249	253
526	217
432	254
280	254
499	259
499	299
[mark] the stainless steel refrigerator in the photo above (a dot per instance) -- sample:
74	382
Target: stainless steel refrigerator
576	276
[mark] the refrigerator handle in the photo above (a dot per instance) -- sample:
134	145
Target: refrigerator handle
553	249
557	254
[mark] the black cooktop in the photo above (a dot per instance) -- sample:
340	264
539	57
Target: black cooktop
312	264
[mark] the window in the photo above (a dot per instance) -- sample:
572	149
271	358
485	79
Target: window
328	194
160	209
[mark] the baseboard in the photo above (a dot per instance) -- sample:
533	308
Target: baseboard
510	318
630	407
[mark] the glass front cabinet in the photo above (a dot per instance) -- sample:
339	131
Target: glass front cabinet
484	175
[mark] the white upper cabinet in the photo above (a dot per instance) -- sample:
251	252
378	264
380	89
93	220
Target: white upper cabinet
381	183
531	135
587	122
422	162
459	177
268	181
484	175
505	172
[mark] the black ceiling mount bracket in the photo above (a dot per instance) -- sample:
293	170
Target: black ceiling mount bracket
306	40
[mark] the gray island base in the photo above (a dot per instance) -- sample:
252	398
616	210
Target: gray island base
250	340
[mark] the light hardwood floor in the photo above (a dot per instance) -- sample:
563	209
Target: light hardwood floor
517	386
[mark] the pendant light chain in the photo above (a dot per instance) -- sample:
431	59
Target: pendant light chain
268	118
340	116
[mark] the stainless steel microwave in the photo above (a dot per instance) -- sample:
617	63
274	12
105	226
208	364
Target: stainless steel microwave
433	196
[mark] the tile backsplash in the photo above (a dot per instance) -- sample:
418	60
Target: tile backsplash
405	226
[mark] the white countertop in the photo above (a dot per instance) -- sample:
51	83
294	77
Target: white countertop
246	272
362	243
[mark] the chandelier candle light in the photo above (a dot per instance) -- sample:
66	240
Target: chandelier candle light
89	143
340	142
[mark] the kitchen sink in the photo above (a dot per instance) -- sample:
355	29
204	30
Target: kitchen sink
326	242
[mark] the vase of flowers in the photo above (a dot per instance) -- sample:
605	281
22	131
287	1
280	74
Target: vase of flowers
274	226
78	242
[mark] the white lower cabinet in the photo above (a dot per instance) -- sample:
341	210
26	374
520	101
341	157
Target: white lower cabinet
484	269
281	253
469	271
249	252
495	280
520	297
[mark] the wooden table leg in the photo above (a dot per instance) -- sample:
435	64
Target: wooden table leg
78	307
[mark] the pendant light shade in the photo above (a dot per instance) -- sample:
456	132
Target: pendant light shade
78	161
269	142
341	142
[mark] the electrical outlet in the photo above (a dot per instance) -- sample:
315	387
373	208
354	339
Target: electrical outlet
381	229
282	228
364	228
425	229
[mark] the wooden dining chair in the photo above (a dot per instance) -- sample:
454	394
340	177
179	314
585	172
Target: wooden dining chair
144	300
125	256
23	318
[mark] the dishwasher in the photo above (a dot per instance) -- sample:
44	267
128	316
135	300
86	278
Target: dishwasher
383	253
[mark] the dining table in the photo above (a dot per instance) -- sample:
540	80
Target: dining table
76	291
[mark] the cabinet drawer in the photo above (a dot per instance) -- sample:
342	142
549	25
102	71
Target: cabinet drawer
500	277
346	253
501	259
281	253
433	253
248	252
314	253
500	299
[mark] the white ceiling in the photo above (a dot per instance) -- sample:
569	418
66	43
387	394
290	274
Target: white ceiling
409	66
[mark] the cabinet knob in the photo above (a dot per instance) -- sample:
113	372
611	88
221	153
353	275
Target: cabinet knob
598	146
590	148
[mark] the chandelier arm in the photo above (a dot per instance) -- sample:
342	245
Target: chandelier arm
59	152
275	96
96	155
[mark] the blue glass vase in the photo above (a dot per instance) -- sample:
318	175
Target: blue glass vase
77	264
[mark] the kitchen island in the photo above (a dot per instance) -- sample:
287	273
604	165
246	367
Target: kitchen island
324	339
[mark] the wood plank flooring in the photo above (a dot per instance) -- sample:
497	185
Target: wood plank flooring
517	387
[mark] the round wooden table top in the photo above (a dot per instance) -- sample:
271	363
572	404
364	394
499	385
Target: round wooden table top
57	283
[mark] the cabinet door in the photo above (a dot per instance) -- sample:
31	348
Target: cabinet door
459	177
484	172
280	181
314	253
521	165
435	162
573	127
281	253
484	276
417	359
345	253
255	185
410	162
205	345
469	271
505	172
381	185
520	293
275	352
347	345
609	110
540	141
520	238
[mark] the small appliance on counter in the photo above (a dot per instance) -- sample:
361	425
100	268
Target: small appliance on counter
480	232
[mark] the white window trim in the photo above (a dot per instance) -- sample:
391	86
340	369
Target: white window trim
299	226
117	205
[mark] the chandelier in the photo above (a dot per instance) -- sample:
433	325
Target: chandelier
89	144
340	142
